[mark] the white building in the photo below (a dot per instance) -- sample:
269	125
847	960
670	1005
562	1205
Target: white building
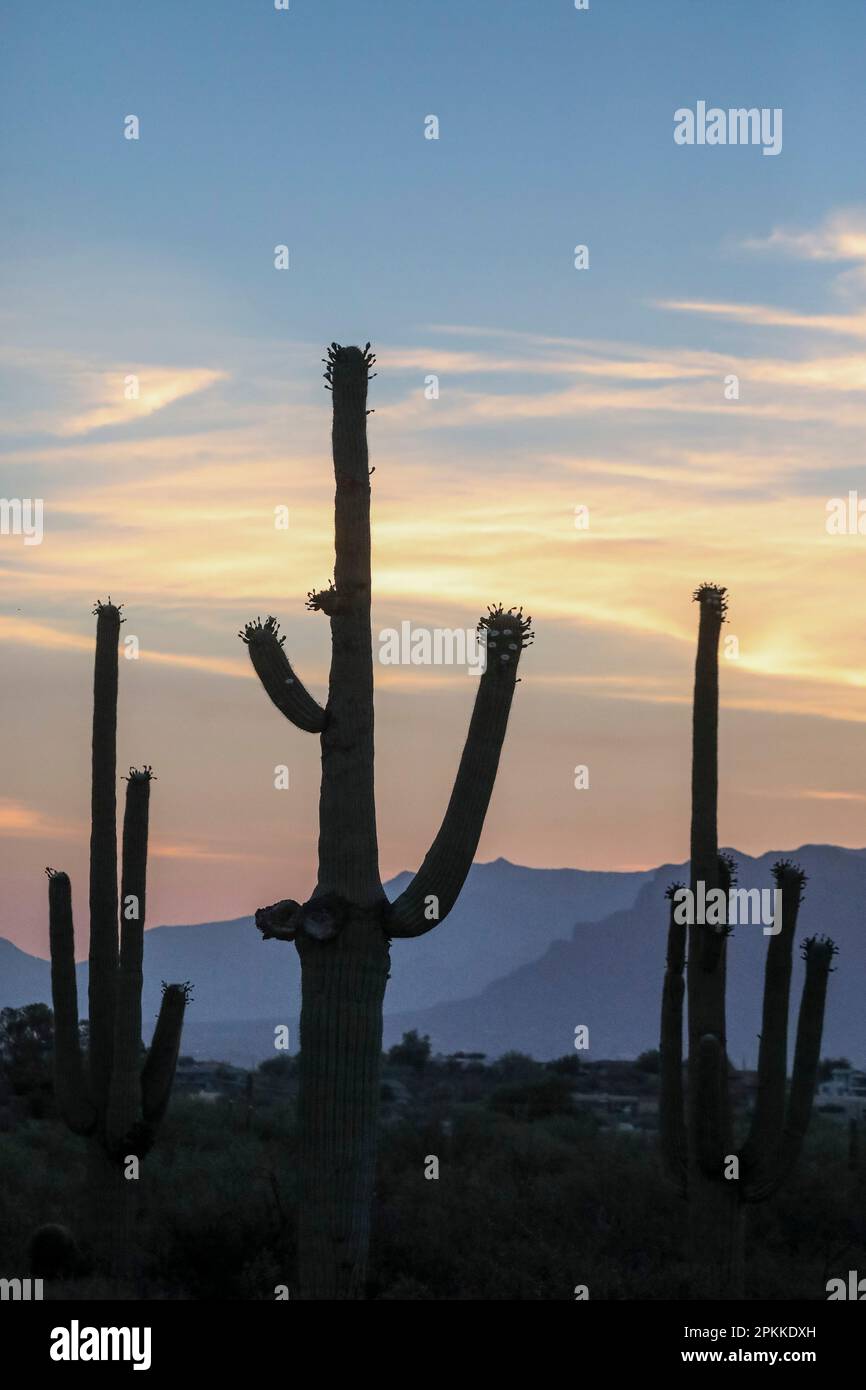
844	1094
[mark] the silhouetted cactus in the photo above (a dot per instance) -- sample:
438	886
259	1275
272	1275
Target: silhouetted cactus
115	1102
342	933
697	1140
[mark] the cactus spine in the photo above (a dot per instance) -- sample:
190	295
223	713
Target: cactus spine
342	932
696	1137
115	1103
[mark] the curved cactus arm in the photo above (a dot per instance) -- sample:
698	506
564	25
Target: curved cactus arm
768	1119
124	1100
435	888
818	953
712	601
711	1131
671	1108
274	670
70	1085
158	1072
102	977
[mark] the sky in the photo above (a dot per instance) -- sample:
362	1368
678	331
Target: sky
605	388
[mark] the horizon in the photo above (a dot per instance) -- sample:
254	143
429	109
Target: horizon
651	869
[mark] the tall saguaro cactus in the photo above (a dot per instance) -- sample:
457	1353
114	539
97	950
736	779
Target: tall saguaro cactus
342	932
697	1138
115	1102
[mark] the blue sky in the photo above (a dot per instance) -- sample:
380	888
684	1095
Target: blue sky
558	388
306	127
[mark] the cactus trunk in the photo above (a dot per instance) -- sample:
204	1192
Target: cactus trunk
112	1203
343	985
716	1239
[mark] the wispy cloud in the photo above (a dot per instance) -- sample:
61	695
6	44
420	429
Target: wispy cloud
23	632
840	237
121	397
769	316
27	822
195	852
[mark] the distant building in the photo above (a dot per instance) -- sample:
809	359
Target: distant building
844	1095
208	1080
625	1109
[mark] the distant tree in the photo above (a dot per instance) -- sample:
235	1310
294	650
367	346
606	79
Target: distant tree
828	1065
533	1100
569	1065
279	1068
649	1061
26	1048
517	1066
412	1051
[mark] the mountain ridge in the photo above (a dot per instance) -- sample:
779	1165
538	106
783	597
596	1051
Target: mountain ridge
525	957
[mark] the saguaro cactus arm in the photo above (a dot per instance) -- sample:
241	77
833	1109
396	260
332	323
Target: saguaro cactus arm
433	891
70	1084
671	1104
768	1118
704	846
124	1104
774	1167
102	978
158	1073
711	1082
272	666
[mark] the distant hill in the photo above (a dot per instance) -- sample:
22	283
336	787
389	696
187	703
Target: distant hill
609	975
506	916
525	957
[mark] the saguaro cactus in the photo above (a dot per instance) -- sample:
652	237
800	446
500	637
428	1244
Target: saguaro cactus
697	1140
115	1101
342	932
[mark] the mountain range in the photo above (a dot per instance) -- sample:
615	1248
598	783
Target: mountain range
526	957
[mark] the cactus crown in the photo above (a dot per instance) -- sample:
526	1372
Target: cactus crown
712	598
107	607
184	987
786	871
258	633
507	631
322	600
141	774
819	950
347	363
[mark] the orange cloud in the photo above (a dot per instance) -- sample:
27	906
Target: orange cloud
156	387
